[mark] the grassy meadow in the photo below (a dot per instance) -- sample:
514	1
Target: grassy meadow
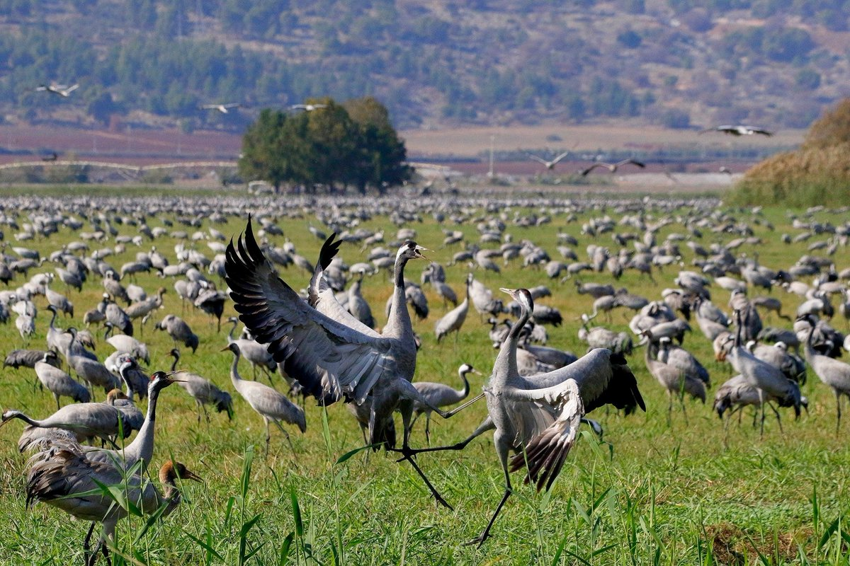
648	493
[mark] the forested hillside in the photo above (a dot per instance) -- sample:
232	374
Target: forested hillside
672	62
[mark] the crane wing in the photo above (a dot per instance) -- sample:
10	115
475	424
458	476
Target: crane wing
537	159
586	172
323	298
603	378
546	452
327	357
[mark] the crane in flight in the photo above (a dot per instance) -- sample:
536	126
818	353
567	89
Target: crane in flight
307	107
611	167
223	108
59	90
738	130
550	165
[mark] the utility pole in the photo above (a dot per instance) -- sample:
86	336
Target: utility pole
491	173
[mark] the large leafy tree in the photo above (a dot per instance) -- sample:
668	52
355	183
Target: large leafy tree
332	146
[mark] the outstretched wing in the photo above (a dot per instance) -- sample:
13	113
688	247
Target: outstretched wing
586	172
546	452
323	298
603	378
327	357
537	159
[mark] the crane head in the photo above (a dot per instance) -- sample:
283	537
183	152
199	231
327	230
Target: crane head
410	250
160	379
172	470
521	296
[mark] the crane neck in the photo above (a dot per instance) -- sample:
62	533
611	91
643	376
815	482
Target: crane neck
399	324
465	391
142	446
234	369
127	391
53	319
235	323
174	363
506	365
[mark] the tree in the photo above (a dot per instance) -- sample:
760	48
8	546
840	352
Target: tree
380	153
334	145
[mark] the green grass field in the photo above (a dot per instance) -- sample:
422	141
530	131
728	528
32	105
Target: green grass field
649	494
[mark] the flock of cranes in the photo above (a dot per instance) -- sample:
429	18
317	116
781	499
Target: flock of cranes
322	342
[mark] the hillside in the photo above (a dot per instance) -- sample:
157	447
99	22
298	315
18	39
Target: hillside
673	63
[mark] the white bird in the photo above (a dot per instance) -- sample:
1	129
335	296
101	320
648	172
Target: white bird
223	108
738	130
307	107
550	165
60	90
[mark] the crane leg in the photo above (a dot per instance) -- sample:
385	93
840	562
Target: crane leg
428	428
669	409
503	456
206	414
778	419
684	412
763	401
838	413
406	409
286	435
268	437
482	428
57	401
87	543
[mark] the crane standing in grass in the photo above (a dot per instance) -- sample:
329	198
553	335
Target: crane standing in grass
267	402
440	395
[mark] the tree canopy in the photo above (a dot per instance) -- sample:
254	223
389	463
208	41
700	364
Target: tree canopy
333	146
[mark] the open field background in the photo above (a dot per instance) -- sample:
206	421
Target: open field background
649	494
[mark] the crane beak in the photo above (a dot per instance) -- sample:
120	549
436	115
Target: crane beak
189	475
476	372
170	379
511	292
419	250
225	349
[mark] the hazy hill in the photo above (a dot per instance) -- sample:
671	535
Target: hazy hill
434	63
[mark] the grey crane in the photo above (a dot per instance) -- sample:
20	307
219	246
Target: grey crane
454	319
135	380
179	331
328	351
267	402
211	301
28	358
85	420
769	381
119	319
202	390
538	417
127	344
134	418
70	482
736	393
678	357
357	305
92	371
675	382
58	300
834	373
58	382
256	354
440	395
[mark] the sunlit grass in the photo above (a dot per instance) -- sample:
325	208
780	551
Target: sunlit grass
647	494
